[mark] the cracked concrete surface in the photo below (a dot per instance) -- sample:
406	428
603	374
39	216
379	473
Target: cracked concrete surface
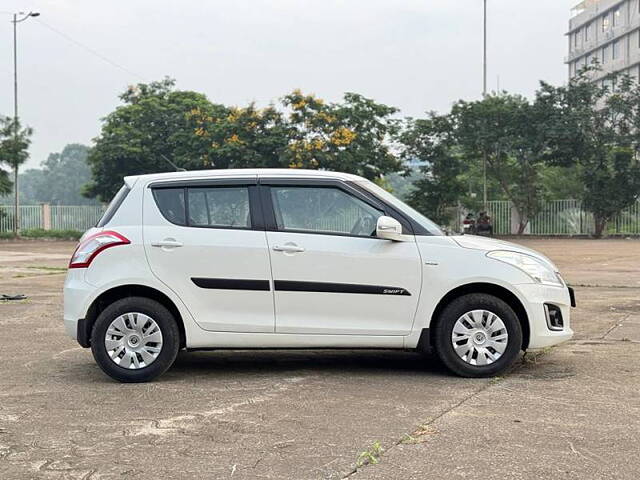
570	413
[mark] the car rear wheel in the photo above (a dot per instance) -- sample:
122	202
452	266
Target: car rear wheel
478	335
135	339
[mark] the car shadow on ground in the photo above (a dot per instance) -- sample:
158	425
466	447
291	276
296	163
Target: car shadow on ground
363	362
224	365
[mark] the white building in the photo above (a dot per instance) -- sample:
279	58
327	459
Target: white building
607	31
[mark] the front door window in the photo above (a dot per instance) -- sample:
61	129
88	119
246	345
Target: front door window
323	210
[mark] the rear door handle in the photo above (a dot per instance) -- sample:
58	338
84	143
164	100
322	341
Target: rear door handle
288	248
167	243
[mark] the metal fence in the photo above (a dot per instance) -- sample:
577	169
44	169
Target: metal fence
69	217
500	212
557	217
51	217
562	217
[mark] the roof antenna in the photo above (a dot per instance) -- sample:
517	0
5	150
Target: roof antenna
178	169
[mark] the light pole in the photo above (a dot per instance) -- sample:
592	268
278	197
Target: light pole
15	21
484	95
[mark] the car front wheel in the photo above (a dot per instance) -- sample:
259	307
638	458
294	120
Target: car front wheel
135	339
478	335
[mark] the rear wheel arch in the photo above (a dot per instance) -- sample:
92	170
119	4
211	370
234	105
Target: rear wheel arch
114	294
490	289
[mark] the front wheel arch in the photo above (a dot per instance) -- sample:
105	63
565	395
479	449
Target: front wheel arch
491	289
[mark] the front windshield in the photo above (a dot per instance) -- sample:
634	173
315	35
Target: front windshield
427	224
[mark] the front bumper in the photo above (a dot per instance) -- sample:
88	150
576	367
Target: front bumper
535	297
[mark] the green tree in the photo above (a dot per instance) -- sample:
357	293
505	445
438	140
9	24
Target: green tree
153	125
14	149
510	132
562	183
440	184
597	130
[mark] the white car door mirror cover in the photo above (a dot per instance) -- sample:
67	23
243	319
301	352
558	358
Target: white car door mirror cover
389	228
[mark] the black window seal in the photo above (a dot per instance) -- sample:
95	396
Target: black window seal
203	182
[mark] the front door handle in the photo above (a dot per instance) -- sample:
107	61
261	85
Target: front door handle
288	248
167	242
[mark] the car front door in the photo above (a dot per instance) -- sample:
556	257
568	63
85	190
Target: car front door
206	242
331	274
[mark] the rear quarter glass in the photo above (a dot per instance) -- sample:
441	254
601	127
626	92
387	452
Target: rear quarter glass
113	206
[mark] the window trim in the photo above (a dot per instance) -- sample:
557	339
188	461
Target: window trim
261	209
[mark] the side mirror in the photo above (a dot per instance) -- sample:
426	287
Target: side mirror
389	229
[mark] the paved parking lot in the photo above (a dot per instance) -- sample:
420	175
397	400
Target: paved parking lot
572	412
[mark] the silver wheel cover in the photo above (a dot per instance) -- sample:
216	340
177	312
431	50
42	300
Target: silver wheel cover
133	341
479	337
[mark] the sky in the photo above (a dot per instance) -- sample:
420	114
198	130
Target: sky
417	55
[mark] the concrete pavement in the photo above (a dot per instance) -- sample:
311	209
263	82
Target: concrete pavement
573	412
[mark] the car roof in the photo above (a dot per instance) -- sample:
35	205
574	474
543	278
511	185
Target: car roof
242	173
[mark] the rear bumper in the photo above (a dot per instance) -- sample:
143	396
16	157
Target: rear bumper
77	294
536	296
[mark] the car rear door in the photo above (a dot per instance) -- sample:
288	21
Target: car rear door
206	241
331	275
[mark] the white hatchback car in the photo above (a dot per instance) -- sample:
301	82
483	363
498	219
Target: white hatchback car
298	259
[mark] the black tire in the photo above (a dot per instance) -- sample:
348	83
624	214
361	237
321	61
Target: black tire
444	327
170	339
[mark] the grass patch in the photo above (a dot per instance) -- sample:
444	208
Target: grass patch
532	358
44	234
51	269
29	275
420	435
370	456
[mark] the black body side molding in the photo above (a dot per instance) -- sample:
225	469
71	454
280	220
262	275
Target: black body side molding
232	284
295	286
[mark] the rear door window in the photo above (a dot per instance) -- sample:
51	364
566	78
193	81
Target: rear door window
219	207
212	207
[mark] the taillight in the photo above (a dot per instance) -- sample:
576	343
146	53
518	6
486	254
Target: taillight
93	245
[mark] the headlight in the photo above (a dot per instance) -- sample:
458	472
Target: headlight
540	271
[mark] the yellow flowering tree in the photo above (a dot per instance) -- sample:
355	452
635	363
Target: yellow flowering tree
157	123
352	136
241	137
